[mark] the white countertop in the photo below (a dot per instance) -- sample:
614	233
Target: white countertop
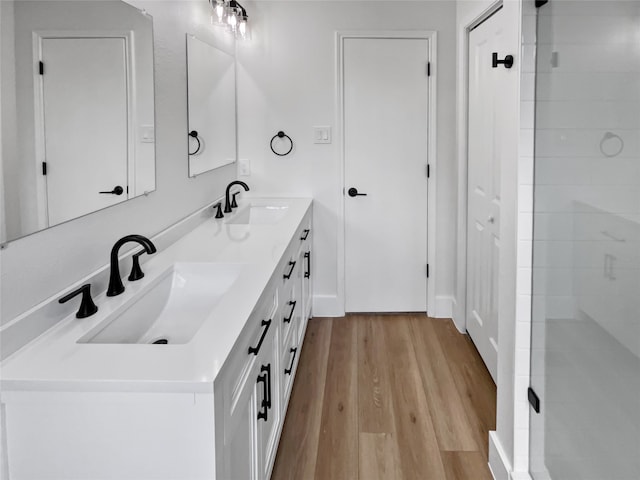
56	362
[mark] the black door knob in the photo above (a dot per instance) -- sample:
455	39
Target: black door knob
117	190
353	192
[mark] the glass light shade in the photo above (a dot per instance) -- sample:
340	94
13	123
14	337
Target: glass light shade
243	28
219	11
232	19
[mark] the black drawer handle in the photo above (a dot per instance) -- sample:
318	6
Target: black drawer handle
288	371
293	307
306	234
292	265
265	379
307	256
266	324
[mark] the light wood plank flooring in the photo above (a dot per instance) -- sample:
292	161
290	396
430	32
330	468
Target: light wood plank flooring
387	397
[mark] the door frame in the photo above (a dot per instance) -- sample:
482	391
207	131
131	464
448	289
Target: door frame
38	104
460	313
431	37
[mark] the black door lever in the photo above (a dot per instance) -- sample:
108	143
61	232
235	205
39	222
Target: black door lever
117	190
353	192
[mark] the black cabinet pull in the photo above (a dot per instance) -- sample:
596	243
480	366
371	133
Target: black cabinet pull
266	324
293	307
292	265
265	379
305	234
288	371
307	256
268	370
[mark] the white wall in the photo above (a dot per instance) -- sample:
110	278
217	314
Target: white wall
40	266
8	148
287	81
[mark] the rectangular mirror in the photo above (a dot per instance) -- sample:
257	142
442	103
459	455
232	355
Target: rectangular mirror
211	84
77	110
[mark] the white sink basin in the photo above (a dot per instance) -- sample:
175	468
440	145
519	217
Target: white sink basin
253	214
171	309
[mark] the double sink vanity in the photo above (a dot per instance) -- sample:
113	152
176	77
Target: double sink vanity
186	374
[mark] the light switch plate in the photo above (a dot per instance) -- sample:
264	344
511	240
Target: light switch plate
321	134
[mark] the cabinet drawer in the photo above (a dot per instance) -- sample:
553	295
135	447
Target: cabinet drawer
289	312
256	334
289	357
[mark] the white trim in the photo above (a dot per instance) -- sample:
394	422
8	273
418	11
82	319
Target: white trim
460	317
498	460
521	476
432	207
443	307
327	306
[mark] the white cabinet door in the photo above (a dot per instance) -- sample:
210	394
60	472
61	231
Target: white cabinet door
240	432
269	410
302	285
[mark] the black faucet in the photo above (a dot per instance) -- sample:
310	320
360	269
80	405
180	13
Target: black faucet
115	282
227	200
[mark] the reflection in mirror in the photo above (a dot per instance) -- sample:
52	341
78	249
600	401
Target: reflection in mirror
212	106
77	105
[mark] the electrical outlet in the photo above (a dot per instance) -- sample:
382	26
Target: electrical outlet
244	167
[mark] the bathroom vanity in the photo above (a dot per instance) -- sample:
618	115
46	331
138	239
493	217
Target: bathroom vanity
97	398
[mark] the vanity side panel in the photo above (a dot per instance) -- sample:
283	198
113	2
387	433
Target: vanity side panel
109	435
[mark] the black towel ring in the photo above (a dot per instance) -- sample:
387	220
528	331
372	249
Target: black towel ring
281	135
194	134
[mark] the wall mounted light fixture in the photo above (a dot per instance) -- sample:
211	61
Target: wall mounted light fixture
232	15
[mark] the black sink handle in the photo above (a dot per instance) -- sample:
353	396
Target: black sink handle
87	307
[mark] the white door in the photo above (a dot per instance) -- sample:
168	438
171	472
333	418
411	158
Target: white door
85	107
385	139
486	122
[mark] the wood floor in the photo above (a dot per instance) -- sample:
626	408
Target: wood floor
387	397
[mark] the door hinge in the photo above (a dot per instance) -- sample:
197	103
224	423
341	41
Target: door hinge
44	168
127	189
427	270
534	400
428	170
428	69
41	68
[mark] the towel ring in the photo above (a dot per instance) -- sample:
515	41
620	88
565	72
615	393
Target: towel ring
281	134
611	136
194	134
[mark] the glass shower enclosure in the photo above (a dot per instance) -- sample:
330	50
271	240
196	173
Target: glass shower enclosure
585	351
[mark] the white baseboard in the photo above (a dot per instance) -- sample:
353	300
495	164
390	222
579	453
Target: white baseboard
458	316
498	461
327	306
330	306
521	476
443	307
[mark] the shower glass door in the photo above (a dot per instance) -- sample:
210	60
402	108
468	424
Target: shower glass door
585	356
